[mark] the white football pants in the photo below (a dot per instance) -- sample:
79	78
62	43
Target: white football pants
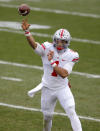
48	102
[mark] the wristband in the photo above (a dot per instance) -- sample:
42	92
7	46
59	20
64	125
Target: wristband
53	64
27	33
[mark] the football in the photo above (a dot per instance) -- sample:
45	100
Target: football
24	9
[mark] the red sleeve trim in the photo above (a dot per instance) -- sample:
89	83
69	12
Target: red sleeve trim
27	32
43	46
75	60
57	62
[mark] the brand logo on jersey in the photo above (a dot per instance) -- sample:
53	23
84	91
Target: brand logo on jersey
63	60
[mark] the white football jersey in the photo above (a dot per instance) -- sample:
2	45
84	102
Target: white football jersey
50	79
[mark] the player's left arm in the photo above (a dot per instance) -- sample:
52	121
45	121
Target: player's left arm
69	66
62	71
65	71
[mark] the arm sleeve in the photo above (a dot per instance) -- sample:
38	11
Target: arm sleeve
39	50
74	58
69	67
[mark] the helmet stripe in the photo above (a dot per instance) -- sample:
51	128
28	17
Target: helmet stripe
61	35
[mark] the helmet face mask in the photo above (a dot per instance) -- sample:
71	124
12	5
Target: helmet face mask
60	44
61	39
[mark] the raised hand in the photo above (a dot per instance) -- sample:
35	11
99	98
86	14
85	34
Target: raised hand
25	25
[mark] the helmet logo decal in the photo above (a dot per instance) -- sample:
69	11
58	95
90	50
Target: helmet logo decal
61	35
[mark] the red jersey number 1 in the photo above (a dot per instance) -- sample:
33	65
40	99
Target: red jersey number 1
54	73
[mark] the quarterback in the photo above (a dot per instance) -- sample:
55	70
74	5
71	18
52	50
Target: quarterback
58	61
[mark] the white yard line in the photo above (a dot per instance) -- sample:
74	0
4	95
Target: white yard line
86	41
86	74
47	35
41	68
5	0
17	25
10	78
56	11
34	0
21	65
39	110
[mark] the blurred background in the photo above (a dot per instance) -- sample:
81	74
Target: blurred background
21	69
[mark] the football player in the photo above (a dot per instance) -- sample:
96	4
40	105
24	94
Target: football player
58	60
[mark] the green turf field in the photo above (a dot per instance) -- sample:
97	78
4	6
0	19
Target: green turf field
82	19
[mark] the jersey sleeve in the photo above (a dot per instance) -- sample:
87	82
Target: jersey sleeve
69	67
39	50
75	57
